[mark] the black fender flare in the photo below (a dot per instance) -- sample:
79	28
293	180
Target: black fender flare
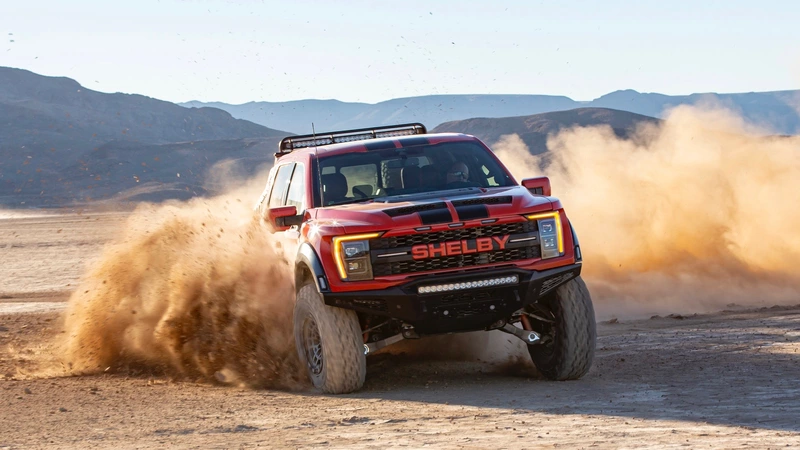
578	255
308	261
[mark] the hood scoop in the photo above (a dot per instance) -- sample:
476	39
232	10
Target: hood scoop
405	210
483	201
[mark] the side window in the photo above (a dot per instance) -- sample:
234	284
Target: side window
297	189
262	200
281	185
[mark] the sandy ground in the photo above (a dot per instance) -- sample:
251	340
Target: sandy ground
44	255
724	380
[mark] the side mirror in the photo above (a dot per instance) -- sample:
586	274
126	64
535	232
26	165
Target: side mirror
283	217
538	185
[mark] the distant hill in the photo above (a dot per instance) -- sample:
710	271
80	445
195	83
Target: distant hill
129	172
58	140
778	112
327	115
534	129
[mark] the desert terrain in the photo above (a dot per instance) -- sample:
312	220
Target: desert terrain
729	379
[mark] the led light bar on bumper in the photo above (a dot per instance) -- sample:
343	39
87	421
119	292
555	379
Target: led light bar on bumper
551	236
351	255
462	285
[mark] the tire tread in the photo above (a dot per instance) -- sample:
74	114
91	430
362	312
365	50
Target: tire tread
344	363
576	331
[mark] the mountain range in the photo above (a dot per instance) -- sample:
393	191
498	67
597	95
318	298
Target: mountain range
775	112
534	129
62	144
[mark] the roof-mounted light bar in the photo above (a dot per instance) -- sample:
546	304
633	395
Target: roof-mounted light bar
288	144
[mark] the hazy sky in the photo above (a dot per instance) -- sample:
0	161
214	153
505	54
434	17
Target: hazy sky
239	51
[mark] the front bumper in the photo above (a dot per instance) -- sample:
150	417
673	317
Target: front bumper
454	311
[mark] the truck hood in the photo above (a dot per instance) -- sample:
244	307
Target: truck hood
416	210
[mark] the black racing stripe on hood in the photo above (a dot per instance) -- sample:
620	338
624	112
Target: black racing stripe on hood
471	212
434	216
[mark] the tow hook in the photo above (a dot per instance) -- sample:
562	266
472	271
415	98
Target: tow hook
409	332
527	336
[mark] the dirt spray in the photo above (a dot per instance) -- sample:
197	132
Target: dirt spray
692	214
198	290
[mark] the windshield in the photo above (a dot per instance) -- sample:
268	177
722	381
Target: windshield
380	174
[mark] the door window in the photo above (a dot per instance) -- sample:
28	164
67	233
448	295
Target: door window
281	185
297	189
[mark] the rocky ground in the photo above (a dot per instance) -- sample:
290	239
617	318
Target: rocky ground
725	380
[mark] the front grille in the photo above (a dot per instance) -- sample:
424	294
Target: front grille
452	235
451	262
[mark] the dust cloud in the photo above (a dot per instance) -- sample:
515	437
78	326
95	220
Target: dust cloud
696	213
198	290
692	214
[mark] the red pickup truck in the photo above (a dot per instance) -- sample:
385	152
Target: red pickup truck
404	234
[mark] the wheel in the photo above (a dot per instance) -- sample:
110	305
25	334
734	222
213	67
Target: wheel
329	342
569	338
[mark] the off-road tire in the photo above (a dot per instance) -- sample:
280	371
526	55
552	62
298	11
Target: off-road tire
341	366
572	337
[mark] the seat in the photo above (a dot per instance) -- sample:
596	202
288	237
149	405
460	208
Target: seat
412	177
334	188
430	177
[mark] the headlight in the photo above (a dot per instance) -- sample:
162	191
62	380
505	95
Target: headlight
351	254
551	237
